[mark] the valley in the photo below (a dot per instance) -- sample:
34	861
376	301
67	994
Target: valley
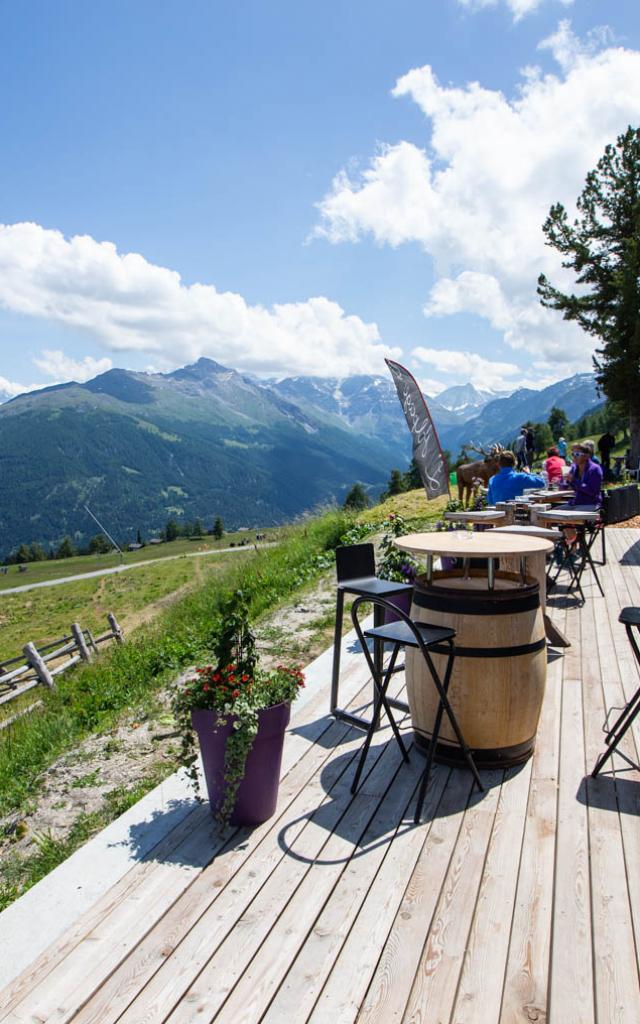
206	441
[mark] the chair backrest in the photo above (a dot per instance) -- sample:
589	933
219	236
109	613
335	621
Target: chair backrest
355	561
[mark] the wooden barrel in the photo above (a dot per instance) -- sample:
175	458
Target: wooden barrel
499	675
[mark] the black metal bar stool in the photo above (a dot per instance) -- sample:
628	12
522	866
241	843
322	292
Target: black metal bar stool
576	559
356	572
630	617
407	633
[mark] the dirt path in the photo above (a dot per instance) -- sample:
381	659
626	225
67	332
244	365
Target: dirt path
134	565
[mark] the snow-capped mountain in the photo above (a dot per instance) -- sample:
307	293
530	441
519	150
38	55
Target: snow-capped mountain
467	400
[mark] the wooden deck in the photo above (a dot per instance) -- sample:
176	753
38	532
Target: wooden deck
520	904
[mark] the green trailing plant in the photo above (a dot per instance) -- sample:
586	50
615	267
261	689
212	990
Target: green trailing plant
395	564
235	689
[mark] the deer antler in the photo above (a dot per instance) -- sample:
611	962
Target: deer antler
476	448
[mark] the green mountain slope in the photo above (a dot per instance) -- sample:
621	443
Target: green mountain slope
200	442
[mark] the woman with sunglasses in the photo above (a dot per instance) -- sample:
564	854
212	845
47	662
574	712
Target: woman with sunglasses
585	478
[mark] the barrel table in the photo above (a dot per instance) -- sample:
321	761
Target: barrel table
499	676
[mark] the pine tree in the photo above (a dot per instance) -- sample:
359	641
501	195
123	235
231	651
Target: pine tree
396	484
602	248
171	530
412	477
558	422
356	500
218	528
99	545
66	549
23	554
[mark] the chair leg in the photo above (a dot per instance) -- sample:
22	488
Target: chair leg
380	702
337	643
628	716
454	725
432	745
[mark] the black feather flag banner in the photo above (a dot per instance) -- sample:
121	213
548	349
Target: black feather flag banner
426	446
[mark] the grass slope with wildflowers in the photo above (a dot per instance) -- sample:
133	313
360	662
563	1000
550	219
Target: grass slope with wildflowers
95	699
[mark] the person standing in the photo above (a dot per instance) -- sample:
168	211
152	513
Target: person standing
562	448
605	445
520	448
530	443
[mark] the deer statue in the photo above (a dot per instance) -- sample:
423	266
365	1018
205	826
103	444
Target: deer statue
474	471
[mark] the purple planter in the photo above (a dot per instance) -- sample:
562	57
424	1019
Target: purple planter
447	562
401	601
258	792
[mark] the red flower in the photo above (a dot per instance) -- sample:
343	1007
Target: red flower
236	693
245	678
206	687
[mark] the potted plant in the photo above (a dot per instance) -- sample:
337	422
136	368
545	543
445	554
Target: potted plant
395	564
238	713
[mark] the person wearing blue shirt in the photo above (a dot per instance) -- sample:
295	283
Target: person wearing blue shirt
508	483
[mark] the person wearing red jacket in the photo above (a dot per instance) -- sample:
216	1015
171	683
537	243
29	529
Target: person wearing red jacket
553	466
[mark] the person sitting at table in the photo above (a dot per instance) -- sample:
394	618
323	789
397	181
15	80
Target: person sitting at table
585	478
508	483
553	466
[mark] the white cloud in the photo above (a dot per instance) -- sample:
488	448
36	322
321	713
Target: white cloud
477	196
519	8
492	374
430	386
9	388
470	366
62	368
130	304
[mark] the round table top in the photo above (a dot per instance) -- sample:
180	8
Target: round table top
484	515
552	495
569	515
464	544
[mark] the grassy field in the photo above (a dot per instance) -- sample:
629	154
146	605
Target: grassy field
38	572
46	614
412	506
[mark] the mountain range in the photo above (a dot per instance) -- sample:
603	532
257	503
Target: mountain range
205	440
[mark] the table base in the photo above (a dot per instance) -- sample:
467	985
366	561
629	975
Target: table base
485	757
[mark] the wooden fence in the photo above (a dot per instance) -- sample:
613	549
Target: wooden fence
41	664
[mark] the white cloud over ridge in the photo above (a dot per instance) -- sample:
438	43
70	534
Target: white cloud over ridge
130	304
519	8
10	388
477	196
61	367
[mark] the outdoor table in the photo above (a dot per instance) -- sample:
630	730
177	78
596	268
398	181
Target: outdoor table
553	497
485	517
498	679
580	519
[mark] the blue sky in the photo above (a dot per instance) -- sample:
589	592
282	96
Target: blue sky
298	188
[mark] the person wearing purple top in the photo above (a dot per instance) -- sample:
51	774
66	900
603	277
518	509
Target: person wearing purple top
585	478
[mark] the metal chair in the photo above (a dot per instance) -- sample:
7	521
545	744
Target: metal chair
404	632
356	572
630	617
575	557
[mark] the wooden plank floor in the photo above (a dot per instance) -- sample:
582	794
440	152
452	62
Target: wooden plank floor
520	904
